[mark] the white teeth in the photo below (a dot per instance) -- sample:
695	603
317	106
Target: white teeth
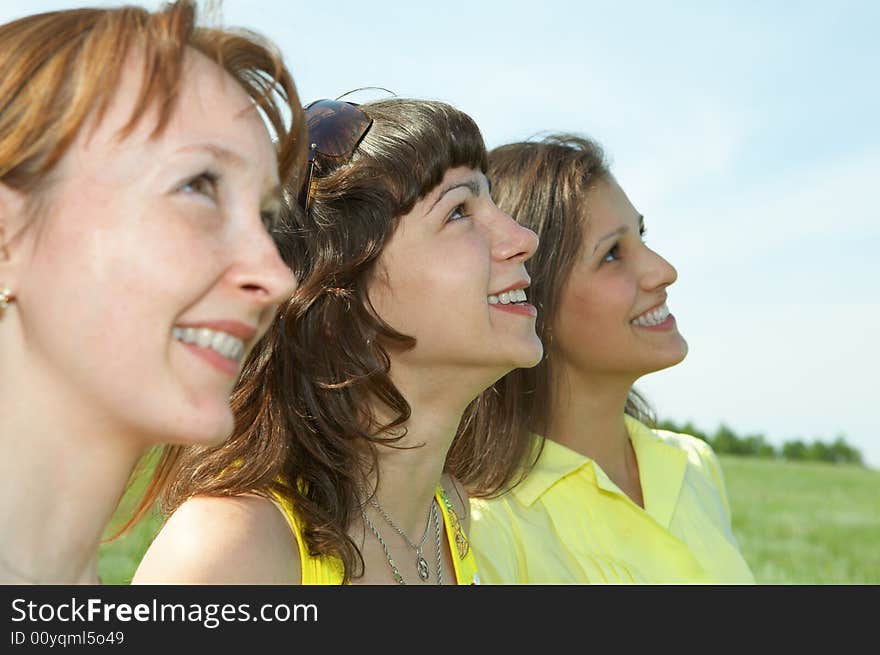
218	342
653	317
507	297
203	337
227	345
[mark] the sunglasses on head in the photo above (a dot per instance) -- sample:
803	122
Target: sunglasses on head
335	128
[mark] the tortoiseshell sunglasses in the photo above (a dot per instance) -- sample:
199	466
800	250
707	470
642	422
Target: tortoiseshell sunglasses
335	127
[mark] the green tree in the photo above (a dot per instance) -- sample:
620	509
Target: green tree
725	441
794	450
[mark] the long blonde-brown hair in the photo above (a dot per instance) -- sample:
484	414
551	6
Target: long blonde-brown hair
544	185
59	69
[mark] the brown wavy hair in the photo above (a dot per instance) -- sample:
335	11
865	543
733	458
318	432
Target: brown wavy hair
306	428
61	68
544	185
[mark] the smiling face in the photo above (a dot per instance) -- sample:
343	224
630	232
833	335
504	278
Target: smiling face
453	277
149	273
612	316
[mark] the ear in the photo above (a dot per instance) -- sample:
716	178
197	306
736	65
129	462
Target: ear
12	221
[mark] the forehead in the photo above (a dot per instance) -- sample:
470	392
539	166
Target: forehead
460	176
607	207
211	107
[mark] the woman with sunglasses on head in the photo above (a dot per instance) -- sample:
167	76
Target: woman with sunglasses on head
597	494
412	302
136	264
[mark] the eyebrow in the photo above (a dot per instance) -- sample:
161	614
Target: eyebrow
219	152
232	158
618	232
471	184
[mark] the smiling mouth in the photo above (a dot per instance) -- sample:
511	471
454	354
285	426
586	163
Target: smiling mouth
508	297
652	317
220	342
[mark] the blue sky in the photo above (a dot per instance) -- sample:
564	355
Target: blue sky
746	133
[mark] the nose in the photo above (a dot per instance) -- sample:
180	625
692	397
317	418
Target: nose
258	271
512	241
658	273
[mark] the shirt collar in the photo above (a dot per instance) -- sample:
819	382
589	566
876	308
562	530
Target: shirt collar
661	471
556	462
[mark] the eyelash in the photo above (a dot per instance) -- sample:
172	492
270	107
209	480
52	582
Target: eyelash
458	209
613	250
209	177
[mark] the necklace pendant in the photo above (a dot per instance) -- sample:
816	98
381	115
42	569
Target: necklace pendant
422	565
461	543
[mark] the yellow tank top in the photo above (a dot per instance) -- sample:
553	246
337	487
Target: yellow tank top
327	570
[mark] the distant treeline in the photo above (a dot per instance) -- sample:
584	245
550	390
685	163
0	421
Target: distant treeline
725	441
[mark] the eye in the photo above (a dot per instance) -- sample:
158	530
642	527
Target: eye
643	231
613	254
204	184
456	214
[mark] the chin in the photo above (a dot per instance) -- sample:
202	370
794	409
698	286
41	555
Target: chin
527	357
201	431
672	359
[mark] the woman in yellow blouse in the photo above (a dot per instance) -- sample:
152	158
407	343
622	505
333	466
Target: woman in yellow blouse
602	497
347	409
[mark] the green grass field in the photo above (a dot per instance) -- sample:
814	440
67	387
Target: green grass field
797	523
806	523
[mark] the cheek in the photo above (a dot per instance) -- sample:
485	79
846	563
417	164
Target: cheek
593	314
112	264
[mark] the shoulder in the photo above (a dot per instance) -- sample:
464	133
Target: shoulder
222	540
699	452
701	458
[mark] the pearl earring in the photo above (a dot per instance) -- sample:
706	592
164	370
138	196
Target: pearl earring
6	296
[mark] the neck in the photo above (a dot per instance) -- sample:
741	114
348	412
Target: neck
408	476
61	475
587	416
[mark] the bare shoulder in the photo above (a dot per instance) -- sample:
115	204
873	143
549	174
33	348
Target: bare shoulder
458	496
222	540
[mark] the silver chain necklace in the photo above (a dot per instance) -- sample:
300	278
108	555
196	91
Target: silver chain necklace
421	563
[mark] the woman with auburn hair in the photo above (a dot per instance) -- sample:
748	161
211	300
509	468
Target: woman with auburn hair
138	187
597	494
412	302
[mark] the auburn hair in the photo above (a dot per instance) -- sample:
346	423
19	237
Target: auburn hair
61	69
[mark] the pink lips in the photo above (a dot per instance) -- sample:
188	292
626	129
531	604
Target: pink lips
523	308
223	364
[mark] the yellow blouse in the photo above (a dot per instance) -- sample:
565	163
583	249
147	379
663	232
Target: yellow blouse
567	522
327	570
